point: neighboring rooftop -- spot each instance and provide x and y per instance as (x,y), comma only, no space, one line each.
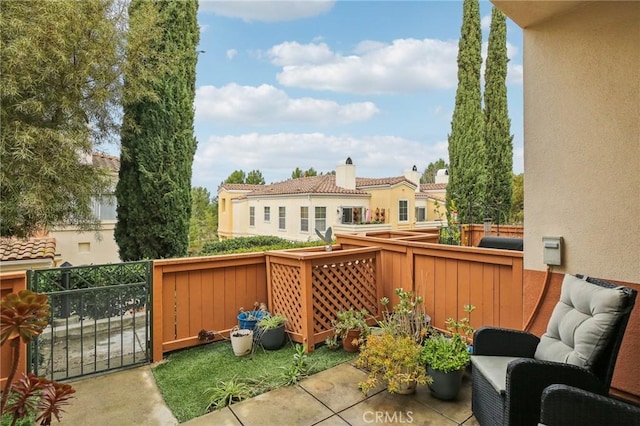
(110,162)
(34,248)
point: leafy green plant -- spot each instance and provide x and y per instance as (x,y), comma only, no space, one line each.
(394,359)
(23,317)
(272,321)
(299,368)
(444,353)
(227,392)
(331,342)
(251,244)
(407,318)
(351,319)
(449,353)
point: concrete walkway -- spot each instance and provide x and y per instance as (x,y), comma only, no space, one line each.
(328,398)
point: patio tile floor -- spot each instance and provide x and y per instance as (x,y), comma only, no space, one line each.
(332,398)
(328,398)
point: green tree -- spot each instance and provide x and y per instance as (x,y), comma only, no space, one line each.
(517,201)
(497,136)
(429,174)
(203,225)
(61,77)
(466,148)
(310,172)
(297,173)
(238,176)
(154,189)
(255,177)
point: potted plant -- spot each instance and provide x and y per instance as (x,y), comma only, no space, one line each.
(392,359)
(447,356)
(241,341)
(351,326)
(248,319)
(271,331)
(407,318)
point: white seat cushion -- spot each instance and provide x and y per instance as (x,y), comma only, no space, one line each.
(581,323)
(494,369)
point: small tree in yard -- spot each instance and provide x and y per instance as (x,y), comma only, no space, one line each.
(23,317)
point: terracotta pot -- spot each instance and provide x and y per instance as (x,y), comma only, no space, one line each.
(347,341)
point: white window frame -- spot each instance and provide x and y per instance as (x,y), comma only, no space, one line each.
(252,216)
(424,214)
(320,220)
(267,214)
(282,218)
(400,210)
(304,219)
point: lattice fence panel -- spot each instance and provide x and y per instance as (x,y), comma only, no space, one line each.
(287,294)
(340,286)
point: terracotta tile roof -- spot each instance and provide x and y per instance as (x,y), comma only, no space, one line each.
(239,186)
(433,186)
(106,161)
(323,184)
(35,248)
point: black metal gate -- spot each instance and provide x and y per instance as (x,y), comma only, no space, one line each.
(100,319)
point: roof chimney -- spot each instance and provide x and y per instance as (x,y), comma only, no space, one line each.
(413,175)
(442,176)
(346,175)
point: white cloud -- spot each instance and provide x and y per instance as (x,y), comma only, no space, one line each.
(405,65)
(267,104)
(485,23)
(267,10)
(277,155)
(231,53)
(203,27)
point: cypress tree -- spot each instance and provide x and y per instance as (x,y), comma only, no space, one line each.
(498,138)
(158,145)
(466,146)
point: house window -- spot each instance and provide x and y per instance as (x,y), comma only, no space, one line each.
(421,214)
(252,216)
(267,214)
(403,210)
(104,208)
(321,219)
(352,215)
(282,218)
(304,219)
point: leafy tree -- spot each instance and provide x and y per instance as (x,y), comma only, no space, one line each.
(466,148)
(238,176)
(297,173)
(517,202)
(497,136)
(204,219)
(61,77)
(429,174)
(154,189)
(254,177)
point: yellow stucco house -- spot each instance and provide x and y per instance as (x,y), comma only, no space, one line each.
(294,208)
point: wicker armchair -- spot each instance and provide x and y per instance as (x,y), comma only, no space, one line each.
(510,368)
(564,405)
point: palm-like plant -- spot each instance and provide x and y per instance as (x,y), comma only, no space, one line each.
(23,317)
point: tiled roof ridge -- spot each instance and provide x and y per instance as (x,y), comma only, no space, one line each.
(23,249)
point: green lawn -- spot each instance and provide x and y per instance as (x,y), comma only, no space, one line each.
(186,375)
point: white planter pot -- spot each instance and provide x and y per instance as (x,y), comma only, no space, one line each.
(241,342)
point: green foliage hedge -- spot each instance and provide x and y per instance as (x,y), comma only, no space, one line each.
(252,244)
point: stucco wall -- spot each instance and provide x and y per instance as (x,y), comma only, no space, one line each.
(582,139)
(86,248)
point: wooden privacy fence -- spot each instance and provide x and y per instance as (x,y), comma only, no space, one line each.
(449,277)
(471,235)
(311,287)
(198,293)
(12,282)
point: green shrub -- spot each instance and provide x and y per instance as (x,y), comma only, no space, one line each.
(252,244)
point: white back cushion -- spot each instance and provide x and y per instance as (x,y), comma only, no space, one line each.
(580,323)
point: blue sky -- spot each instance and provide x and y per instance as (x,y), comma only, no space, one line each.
(285,84)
